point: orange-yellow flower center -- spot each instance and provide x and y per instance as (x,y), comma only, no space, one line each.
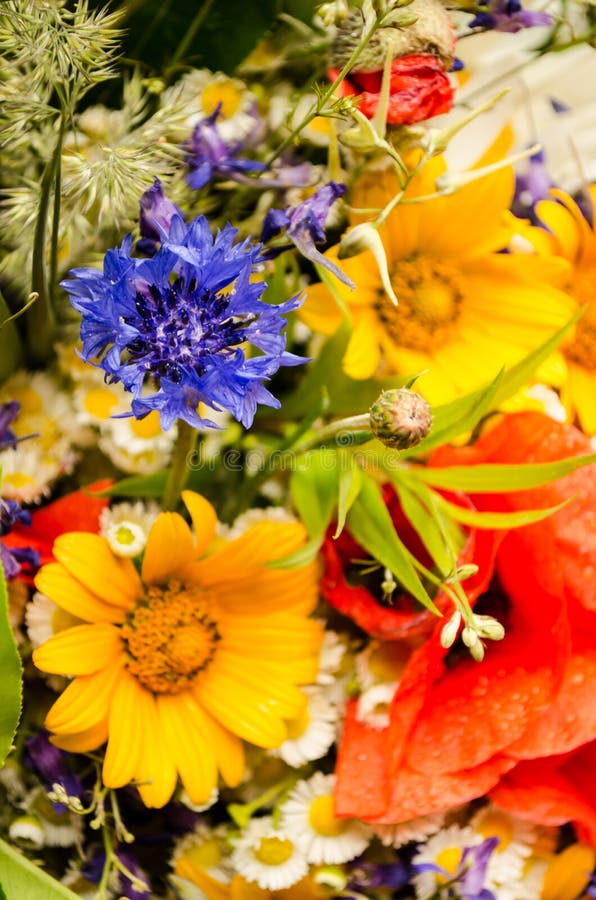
(429,303)
(582,350)
(170,638)
(273,851)
(448,859)
(322,818)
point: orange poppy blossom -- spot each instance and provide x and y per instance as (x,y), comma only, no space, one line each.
(571,236)
(459,729)
(175,667)
(465,309)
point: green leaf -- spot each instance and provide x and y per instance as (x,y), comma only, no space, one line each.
(20,879)
(10,678)
(350,482)
(137,486)
(314,487)
(371,525)
(427,526)
(495,479)
(459,416)
(498,519)
(299,558)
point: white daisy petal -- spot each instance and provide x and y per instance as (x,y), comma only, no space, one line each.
(268,856)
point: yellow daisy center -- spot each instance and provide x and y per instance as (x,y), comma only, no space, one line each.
(273,851)
(170,638)
(206,855)
(322,818)
(429,303)
(448,859)
(29,399)
(100,402)
(148,427)
(582,350)
(224,92)
(387,661)
(497,824)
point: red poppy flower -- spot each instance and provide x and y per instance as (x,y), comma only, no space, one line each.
(77,511)
(419,89)
(458,730)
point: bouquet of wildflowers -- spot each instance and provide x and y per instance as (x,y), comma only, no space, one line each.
(297,417)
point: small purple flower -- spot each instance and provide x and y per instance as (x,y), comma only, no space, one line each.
(366,876)
(531,187)
(509,16)
(8,413)
(16,558)
(470,876)
(181,320)
(305,226)
(209,156)
(135,888)
(50,763)
(156,217)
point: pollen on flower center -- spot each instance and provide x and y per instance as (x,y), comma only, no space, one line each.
(170,638)
(448,859)
(273,851)
(429,303)
(322,818)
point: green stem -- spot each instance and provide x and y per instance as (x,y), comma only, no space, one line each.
(11,348)
(41,321)
(319,107)
(184,446)
(191,32)
(354,429)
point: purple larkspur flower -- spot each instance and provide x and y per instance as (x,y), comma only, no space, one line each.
(181,320)
(156,216)
(509,16)
(8,413)
(531,187)
(469,879)
(50,763)
(363,876)
(304,225)
(137,888)
(15,558)
(210,156)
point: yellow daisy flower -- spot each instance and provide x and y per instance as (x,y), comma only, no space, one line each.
(574,238)
(464,309)
(178,665)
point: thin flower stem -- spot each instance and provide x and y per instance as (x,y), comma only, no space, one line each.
(56,217)
(191,32)
(186,442)
(343,432)
(319,106)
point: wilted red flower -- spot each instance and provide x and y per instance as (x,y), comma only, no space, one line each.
(459,729)
(419,89)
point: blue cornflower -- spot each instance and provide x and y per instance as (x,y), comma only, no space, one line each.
(210,156)
(509,16)
(180,320)
(305,226)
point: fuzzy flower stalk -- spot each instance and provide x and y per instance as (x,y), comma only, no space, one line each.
(180,328)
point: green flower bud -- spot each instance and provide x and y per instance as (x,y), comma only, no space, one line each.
(400,418)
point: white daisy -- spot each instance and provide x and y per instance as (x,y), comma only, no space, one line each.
(95,402)
(374,704)
(413,830)
(252,517)
(199,807)
(507,864)
(137,446)
(268,855)
(312,733)
(59,829)
(207,849)
(331,656)
(381,662)
(444,849)
(27,829)
(201,91)
(29,472)
(308,817)
(44,619)
(126,526)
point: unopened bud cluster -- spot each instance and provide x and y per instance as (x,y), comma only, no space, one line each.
(476,628)
(400,418)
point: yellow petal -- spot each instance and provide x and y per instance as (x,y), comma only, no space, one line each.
(204,520)
(81,650)
(66,592)
(581,388)
(563,224)
(229,753)
(273,684)
(83,741)
(85,702)
(569,873)
(210,887)
(273,637)
(188,744)
(88,558)
(126,734)
(320,311)
(156,773)
(169,548)
(294,590)
(362,356)
(240,710)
